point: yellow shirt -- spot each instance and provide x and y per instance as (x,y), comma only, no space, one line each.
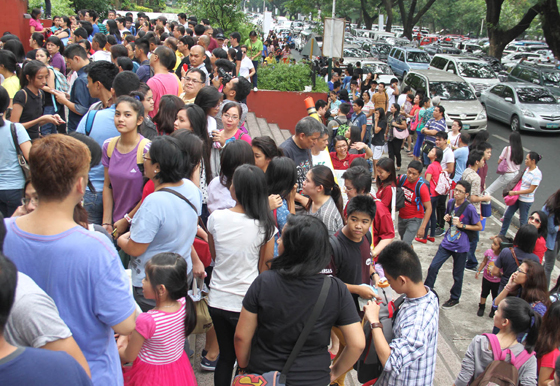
(11,85)
(270,60)
(179,57)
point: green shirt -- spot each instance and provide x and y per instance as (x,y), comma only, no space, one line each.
(253,49)
(102,28)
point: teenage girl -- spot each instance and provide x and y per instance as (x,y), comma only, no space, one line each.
(490,283)
(547,344)
(156,345)
(386,180)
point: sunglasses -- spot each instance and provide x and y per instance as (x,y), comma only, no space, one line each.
(535,219)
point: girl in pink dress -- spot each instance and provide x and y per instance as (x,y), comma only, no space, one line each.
(156,345)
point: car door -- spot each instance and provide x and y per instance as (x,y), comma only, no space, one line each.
(493,97)
(507,108)
(399,62)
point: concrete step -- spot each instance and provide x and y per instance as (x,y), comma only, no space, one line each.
(276,133)
(286,133)
(265,129)
(252,125)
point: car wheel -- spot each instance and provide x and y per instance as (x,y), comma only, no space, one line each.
(514,123)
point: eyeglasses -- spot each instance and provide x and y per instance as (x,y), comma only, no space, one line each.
(535,219)
(520,271)
(26,201)
(146,158)
(232,117)
(460,191)
(191,80)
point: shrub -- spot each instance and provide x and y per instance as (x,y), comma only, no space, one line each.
(58,7)
(288,77)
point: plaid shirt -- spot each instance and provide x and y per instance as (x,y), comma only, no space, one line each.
(414,347)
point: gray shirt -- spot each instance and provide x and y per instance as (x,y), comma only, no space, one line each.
(34,320)
(479,356)
(330,216)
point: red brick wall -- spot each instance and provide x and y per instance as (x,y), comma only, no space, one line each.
(11,19)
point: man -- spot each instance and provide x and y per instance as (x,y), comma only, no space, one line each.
(80,99)
(184,46)
(98,45)
(164,80)
(31,366)
(193,81)
(112,14)
(380,98)
(461,156)
(319,153)
(161,21)
(209,31)
(92,292)
(401,100)
(463,219)
(182,17)
(447,165)
(435,124)
(101,126)
(100,76)
(199,30)
(178,31)
(220,40)
(171,43)
(486,148)
(141,51)
(91,17)
(474,163)
(359,117)
(197,56)
(410,358)
(297,147)
(204,42)
(234,39)
(417,209)
(254,52)
(236,90)
(321,108)
(121,25)
(334,78)
(393,91)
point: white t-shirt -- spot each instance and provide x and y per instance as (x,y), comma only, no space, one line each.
(448,157)
(237,242)
(530,177)
(402,99)
(101,55)
(323,158)
(245,67)
(390,94)
(453,139)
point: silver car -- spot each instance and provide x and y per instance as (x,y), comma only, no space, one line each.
(523,106)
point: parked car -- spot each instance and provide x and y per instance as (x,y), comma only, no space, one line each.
(438,48)
(475,71)
(523,106)
(402,60)
(548,77)
(457,97)
(383,71)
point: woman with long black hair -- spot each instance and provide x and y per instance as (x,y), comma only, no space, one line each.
(552,209)
(512,155)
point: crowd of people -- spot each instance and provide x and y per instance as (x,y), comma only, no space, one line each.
(129,178)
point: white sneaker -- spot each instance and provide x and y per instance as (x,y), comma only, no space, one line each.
(255,89)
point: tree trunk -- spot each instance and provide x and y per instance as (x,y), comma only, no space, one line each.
(389,10)
(551,26)
(409,19)
(368,20)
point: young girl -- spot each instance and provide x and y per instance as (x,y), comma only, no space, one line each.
(325,197)
(166,115)
(514,316)
(386,180)
(453,139)
(10,70)
(547,344)
(144,94)
(156,345)
(490,283)
(122,189)
(241,243)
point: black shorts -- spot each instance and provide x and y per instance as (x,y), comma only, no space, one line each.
(487,287)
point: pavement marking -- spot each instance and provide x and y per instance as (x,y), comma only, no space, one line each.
(507,141)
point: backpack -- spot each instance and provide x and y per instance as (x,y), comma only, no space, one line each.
(417,188)
(458,212)
(340,130)
(444,184)
(139,153)
(500,372)
(89,124)
(60,81)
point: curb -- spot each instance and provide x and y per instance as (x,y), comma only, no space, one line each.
(500,207)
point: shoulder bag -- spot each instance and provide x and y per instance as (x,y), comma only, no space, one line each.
(21,159)
(502,166)
(278,378)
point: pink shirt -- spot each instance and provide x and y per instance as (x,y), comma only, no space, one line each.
(162,84)
(35,23)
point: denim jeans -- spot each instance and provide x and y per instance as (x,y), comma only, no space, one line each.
(9,201)
(523,207)
(93,203)
(225,323)
(367,138)
(471,258)
(459,260)
(432,223)
(256,65)
(549,261)
(48,128)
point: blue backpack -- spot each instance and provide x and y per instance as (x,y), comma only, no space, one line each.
(419,184)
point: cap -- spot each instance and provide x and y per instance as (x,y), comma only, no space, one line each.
(220,37)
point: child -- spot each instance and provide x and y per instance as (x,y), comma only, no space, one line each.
(156,345)
(489,281)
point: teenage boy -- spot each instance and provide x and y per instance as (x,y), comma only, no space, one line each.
(417,209)
(410,358)
(359,117)
(461,156)
(319,151)
(447,165)
(141,52)
(463,219)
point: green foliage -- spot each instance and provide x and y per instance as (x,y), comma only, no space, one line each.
(59,7)
(288,77)
(100,6)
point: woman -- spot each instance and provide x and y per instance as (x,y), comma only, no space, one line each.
(265,150)
(366,84)
(34,22)
(274,311)
(56,49)
(539,220)
(432,177)
(210,99)
(512,155)
(43,56)
(552,209)
(396,133)
(532,177)
(10,70)
(16,47)
(378,143)
(241,243)
(37,40)
(64,32)
(341,157)
(453,139)
(145,95)
(166,115)
(368,110)
(547,344)
(11,175)
(155,225)
(386,181)
(424,115)
(514,316)
(28,102)
(231,114)
(113,30)
(325,199)
(414,120)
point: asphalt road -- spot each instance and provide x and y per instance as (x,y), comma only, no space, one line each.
(546,144)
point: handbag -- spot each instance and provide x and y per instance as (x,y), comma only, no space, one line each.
(203,319)
(21,159)
(278,378)
(427,146)
(510,200)
(502,166)
(514,184)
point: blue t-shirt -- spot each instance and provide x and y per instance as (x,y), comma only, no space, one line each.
(102,129)
(82,272)
(281,219)
(168,224)
(37,367)
(95,28)
(11,175)
(461,156)
(460,242)
(80,96)
(359,119)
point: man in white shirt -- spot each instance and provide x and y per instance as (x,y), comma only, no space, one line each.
(98,43)
(393,91)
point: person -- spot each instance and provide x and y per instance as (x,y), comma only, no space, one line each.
(486,148)
(28,365)
(460,155)
(514,316)
(241,242)
(386,182)
(490,283)
(368,110)
(193,81)
(11,72)
(55,47)
(12,178)
(162,329)
(417,209)
(325,198)
(98,44)
(512,155)
(380,98)
(434,125)
(50,107)
(455,134)
(530,181)
(92,292)
(164,119)
(359,117)
(341,157)
(101,75)
(163,82)
(339,125)
(456,241)
(410,358)
(197,58)
(547,344)
(35,24)
(80,98)
(424,115)
(210,100)
(246,69)
(319,152)
(552,209)
(539,220)
(265,150)
(123,180)
(397,132)
(378,143)
(297,147)
(231,114)
(334,103)
(393,91)
(432,176)
(236,90)
(142,49)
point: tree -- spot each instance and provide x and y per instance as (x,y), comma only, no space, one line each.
(409,20)
(551,26)
(226,14)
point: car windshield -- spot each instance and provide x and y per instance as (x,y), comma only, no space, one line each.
(452,91)
(380,68)
(535,95)
(551,78)
(476,70)
(418,57)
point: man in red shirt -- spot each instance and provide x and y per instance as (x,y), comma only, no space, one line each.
(416,212)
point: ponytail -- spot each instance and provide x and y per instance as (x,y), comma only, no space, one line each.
(532,331)
(190,314)
(336,195)
(523,319)
(322,175)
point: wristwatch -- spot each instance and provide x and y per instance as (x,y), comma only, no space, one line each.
(464,226)
(376,325)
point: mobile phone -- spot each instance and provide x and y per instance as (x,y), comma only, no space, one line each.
(185,67)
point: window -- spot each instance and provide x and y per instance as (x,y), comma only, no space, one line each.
(497,90)
(515,72)
(400,56)
(422,84)
(418,57)
(452,91)
(535,95)
(451,66)
(508,93)
(529,76)
(412,80)
(438,62)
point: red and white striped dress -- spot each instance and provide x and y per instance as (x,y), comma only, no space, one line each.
(162,359)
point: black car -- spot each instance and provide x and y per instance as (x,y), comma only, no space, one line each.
(437,48)
(495,63)
(548,77)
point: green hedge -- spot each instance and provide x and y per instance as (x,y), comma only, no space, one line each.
(288,77)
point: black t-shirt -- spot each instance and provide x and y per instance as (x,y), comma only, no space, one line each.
(379,138)
(186,61)
(507,263)
(352,268)
(239,55)
(32,109)
(301,157)
(283,305)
